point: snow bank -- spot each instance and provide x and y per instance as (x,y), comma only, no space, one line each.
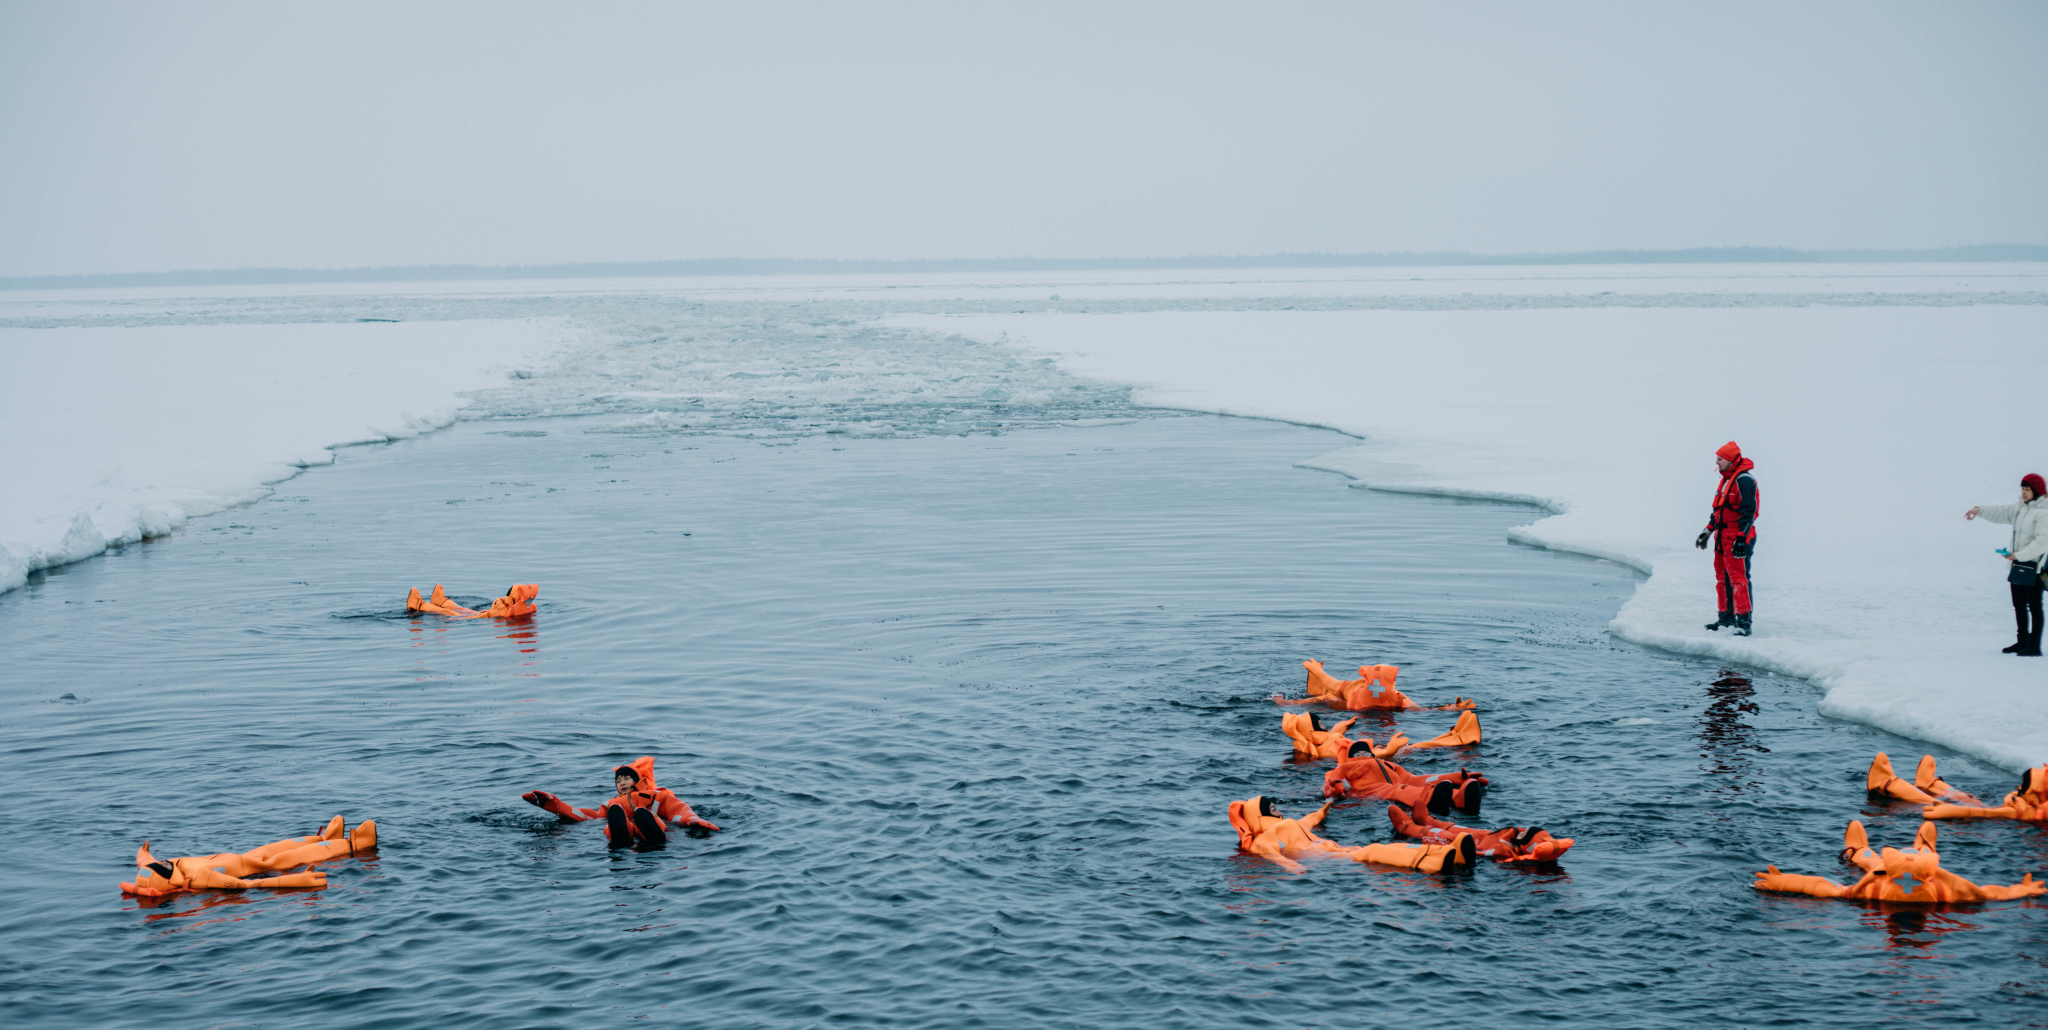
(1873,429)
(112,435)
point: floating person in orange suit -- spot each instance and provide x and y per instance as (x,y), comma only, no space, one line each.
(640,816)
(1374,688)
(516,602)
(156,877)
(1910,877)
(1262,831)
(2028,804)
(1311,739)
(1507,844)
(1365,775)
(1925,789)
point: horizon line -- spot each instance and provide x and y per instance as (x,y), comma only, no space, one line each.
(681,267)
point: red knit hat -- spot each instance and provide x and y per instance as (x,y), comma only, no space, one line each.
(1729,451)
(2032,481)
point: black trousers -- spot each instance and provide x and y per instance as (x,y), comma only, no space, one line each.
(2026,601)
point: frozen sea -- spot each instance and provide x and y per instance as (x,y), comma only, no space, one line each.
(931,592)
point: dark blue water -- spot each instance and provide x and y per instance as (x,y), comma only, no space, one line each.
(969,710)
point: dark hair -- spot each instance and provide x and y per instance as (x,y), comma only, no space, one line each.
(1316,721)
(1364,746)
(626,770)
(1266,806)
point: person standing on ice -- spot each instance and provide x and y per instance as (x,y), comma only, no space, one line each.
(2029,521)
(1733,528)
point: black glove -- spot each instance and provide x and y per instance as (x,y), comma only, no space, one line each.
(1741,548)
(1701,543)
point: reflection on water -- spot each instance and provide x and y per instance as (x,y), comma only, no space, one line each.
(969,710)
(1727,739)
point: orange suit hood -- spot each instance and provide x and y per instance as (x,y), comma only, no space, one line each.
(1247,820)
(644,765)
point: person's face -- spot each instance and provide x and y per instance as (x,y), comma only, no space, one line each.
(1722,463)
(2026,494)
(626,783)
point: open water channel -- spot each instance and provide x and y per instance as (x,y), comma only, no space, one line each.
(969,710)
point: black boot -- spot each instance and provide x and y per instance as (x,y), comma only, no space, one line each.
(2032,646)
(1742,625)
(2019,642)
(1727,619)
(2015,646)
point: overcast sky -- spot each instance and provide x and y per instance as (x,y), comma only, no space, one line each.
(140,137)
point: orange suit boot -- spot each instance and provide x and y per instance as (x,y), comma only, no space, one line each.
(1507,844)
(2028,804)
(1374,688)
(1462,733)
(1363,775)
(156,877)
(1915,878)
(1311,739)
(640,816)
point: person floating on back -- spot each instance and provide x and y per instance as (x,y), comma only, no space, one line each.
(640,816)
(518,601)
(1732,525)
(1374,688)
(155,877)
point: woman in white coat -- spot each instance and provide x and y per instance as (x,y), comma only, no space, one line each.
(2029,520)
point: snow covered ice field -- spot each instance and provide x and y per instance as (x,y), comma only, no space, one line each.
(1879,402)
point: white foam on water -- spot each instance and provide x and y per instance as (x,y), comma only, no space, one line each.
(1635,722)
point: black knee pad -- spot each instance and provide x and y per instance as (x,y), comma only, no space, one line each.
(649,828)
(1440,798)
(1474,793)
(616,828)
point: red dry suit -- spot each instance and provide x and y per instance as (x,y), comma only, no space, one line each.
(1365,776)
(1507,844)
(1733,524)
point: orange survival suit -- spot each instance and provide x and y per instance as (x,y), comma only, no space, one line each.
(516,602)
(1507,844)
(1262,831)
(1310,738)
(1374,688)
(2027,804)
(1911,877)
(1370,776)
(1925,789)
(640,816)
(155,877)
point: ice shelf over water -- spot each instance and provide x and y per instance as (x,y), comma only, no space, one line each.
(1879,401)
(113,435)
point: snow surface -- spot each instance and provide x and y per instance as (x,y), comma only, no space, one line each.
(1873,428)
(113,435)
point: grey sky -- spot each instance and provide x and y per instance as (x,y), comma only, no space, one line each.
(167,136)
